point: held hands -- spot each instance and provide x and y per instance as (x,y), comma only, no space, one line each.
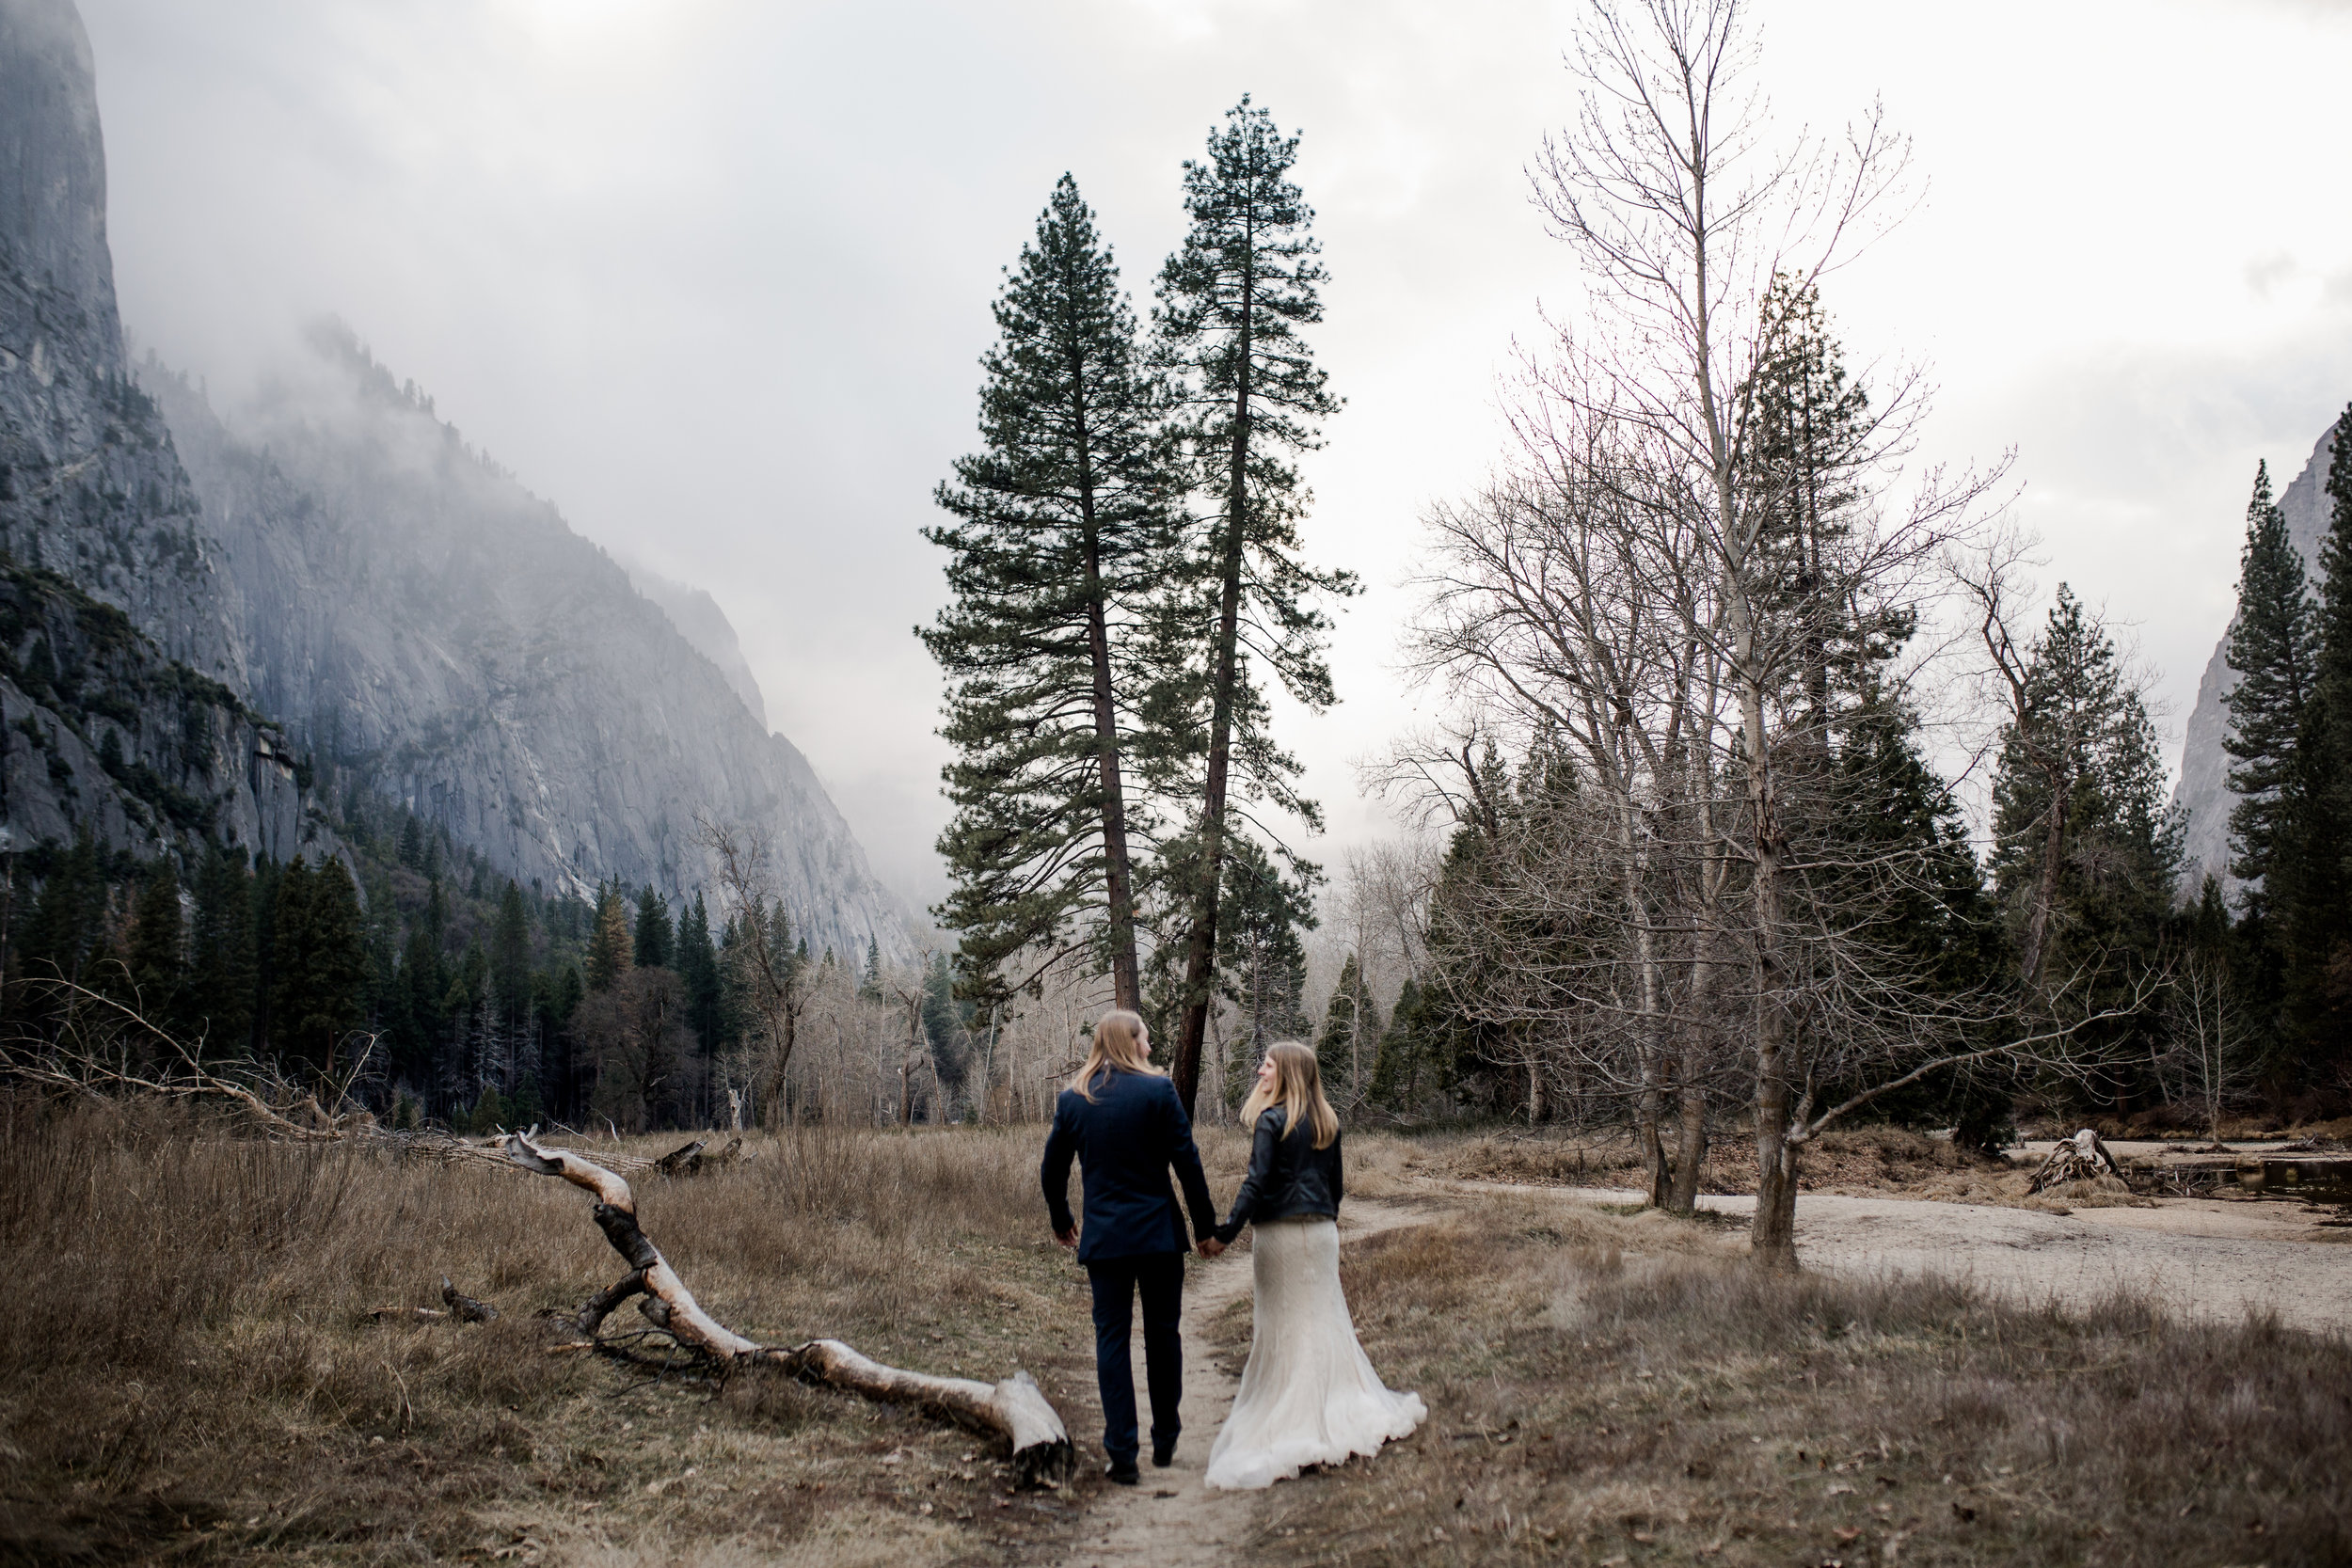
(1212,1247)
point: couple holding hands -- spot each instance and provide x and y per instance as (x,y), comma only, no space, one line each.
(1309,1395)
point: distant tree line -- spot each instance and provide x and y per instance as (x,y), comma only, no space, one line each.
(447,993)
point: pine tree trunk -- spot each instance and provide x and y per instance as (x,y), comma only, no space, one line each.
(1200,945)
(1118,878)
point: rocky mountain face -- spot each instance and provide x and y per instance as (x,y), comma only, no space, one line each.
(120,672)
(705,627)
(2203,790)
(336,559)
(439,637)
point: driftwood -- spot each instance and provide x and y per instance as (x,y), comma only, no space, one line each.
(2080,1158)
(1015,1409)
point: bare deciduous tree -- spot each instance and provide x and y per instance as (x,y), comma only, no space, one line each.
(1683,611)
(768,970)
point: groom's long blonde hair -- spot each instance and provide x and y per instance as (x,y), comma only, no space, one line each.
(1297,1089)
(1121,1041)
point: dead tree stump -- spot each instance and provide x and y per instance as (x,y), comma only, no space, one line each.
(2080,1158)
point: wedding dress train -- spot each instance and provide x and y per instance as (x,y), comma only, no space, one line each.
(1309,1395)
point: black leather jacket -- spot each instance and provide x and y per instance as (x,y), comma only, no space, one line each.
(1288,1176)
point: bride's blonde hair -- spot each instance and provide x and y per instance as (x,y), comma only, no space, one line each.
(1121,1041)
(1298,1084)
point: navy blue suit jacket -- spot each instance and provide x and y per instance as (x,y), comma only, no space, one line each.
(1124,1141)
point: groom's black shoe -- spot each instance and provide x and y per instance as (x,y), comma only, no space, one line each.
(1123,1472)
(1164,1454)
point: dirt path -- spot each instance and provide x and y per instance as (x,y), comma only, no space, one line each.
(2200,1258)
(1173,1520)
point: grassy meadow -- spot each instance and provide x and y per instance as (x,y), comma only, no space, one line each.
(191,1372)
(1622,1388)
(192,1375)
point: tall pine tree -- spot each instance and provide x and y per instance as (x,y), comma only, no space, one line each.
(698,971)
(69,918)
(2323,1013)
(655,939)
(2271,646)
(510,956)
(1232,302)
(2086,853)
(612,950)
(1347,1049)
(221,963)
(155,954)
(319,963)
(1062,526)
(1263,956)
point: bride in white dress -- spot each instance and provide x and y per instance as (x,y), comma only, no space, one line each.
(1309,1395)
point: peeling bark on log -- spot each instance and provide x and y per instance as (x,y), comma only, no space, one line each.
(1015,1409)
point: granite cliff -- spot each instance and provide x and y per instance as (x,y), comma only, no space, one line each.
(439,637)
(120,671)
(705,627)
(202,610)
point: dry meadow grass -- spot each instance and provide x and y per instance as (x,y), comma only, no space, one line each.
(190,1373)
(1622,1389)
(191,1376)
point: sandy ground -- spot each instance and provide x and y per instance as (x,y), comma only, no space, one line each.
(2201,1258)
(1173,1520)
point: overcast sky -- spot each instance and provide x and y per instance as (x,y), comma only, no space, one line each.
(714,277)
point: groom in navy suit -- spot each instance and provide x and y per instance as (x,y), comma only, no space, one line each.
(1122,1121)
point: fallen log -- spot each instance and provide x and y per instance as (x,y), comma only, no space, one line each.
(1015,1409)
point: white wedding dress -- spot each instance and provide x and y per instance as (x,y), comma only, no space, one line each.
(1309,1395)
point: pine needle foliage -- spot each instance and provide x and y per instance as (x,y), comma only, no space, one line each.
(2085,765)
(1233,302)
(2272,646)
(1062,527)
